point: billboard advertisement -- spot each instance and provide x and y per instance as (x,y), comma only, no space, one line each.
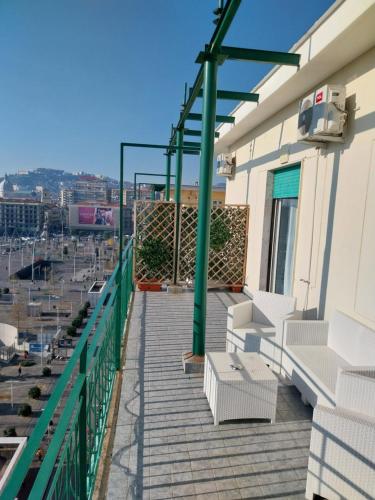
(97,216)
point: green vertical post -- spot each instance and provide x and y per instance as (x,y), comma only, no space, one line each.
(82,422)
(119,269)
(204,204)
(152,192)
(177,196)
(179,158)
(168,177)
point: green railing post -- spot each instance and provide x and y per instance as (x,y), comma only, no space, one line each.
(177,195)
(153,192)
(204,204)
(82,423)
(119,269)
(168,176)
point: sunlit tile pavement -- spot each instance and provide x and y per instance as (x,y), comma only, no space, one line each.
(166,445)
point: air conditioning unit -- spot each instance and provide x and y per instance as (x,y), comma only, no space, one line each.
(226,165)
(322,115)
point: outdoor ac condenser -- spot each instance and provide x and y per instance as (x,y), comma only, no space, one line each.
(226,165)
(322,115)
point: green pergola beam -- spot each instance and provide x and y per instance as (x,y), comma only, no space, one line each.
(193,153)
(156,146)
(219,118)
(222,27)
(234,95)
(136,174)
(256,55)
(190,143)
(153,175)
(196,133)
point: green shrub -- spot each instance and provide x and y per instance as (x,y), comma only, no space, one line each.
(86,305)
(35,392)
(83,313)
(219,234)
(25,410)
(47,371)
(6,290)
(77,322)
(155,253)
(10,432)
(27,362)
(72,331)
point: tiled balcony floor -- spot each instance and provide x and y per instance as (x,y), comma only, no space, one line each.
(166,445)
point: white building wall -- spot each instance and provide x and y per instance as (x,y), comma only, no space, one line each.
(335,240)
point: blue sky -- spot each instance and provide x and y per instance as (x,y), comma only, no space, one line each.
(79,76)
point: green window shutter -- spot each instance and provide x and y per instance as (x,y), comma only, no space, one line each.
(286,182)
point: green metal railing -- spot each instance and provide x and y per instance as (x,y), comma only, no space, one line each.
(83,396)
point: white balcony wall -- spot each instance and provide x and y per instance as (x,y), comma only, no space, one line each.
(335,239)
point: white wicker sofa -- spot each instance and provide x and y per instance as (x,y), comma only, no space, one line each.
(342,448)
(258,326)
(315,352)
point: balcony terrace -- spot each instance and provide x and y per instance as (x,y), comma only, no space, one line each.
(166,445)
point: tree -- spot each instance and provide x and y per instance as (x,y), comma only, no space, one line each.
(24,410)
(10,432)
(77,322)
(72,331)
(35,392)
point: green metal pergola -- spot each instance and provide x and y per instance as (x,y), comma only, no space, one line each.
(205,86)
(167,185)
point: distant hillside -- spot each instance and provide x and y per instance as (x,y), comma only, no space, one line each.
(51,179)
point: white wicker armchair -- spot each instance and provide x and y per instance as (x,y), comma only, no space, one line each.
(342,449)
(257,326)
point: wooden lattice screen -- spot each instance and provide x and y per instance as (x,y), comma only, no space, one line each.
(226,266)
(158,220)
(155,220)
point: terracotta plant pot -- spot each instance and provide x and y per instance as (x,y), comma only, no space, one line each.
(236,288)
(149,286)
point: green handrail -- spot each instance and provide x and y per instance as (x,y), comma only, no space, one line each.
(70,464)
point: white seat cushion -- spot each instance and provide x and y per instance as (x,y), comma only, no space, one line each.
(253,328)
(320,362)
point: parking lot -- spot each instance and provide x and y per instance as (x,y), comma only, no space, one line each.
(60,293)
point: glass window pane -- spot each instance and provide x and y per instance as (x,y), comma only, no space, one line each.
(283,246)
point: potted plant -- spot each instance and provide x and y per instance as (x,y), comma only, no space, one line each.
(219,236)
(154,254)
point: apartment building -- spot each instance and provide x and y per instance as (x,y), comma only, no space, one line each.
(21,216)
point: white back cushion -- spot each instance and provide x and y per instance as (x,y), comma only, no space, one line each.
(351,340)
(271,307)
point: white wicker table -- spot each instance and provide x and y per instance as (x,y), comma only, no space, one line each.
(248,392)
